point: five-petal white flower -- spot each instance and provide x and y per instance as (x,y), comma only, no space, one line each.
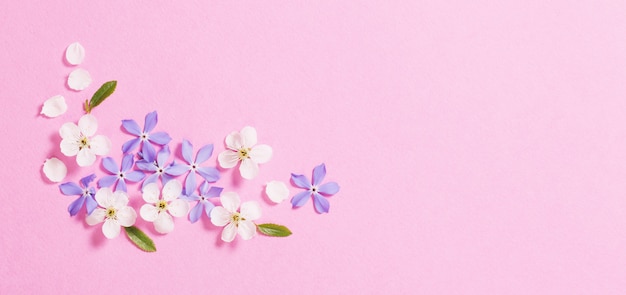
(114,211)
(236,222)
(159,210)
(78,141)
(241,148)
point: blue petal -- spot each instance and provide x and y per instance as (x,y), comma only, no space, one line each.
(165,178)
(214,192)
(300,199)
(131,127)
(107,181)
(210,174)
(91,204)
(150,122)
(147,151)
(163,155)
(187,151)
(176,169)
(85,181)
(146,166)
(150,179)
(328,189)
(127,162)
(134,176)
(121,186)
(75,206)
(204,188)
(190,198)
(160,138)
(321,204)
(131,145)
(190,183)
(70,189)
(204,153)
(109,165)
(300,181)
(208,207)
(318,174)
(195,213)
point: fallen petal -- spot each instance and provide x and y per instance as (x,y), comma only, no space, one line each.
(54,106)
(75,53)
(54,169)
(79,79)
(277,191)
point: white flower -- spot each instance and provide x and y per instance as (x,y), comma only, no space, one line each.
(115,212)
(159,210)
(78,141)
(236,222)
(241,148)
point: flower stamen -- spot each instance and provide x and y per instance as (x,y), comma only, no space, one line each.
(161,205)
(111,213)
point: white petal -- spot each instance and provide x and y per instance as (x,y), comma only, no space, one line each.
(261,153)
(75,53)
(104,197)
(119,199)
(172,190)
(246,229)
(220,216)
(251,210)
(229,232)
(233,141)
(100,145)
(88,125)
(79,79)
(230,201)
(151,193)
(248,136)
(96,216)
(126,216)
(178,208)
(70,131)
(228,159)
(54,106)
(111,228)
(277,191)
(54,169)
(149,212)
(69,147)
(164,223)
(85,157)
(249,169)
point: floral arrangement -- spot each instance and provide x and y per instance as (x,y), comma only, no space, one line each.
(169,189)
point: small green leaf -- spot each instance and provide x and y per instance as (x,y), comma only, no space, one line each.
(105,91)
(140,239)
(273,230)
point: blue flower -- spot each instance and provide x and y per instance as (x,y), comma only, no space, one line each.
(203,201)
(158,167)
(86,194)
(210,174)
(144,137)
(314,189)
(120,175)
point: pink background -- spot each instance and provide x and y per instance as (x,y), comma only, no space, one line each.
(480,146)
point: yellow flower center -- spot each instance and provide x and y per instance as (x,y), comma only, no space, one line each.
(111,213)
(235,218)
(161,205)
(243,153)
(83,143)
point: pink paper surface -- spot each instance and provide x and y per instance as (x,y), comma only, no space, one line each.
(480,145)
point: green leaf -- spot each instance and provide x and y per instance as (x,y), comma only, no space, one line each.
(140,239)
(105,91)
(273,230)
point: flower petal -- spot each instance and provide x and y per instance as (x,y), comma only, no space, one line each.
(151,193)
(328,189)
(107,181)
(230,201)
(160,138)
(131,127)
(208,208)
(321,204)
(54,169)
(196,212)
(130,145)
(229,232)
(213,192)
(127,162)
(187,151)
(251,210)
(248,136)
(85,181)
(69,131)
(119,199)
(146,166)
(209,174)
(88,125)
(150,121)
(126,216)
(96,216)
(172,190)
(276,191)
(164,223)
(233,141)
(110,165)
(246,229)
(75,53)
(163,155)
(228,159)
(71,189)
(190,184)
(300,181)
(134,176)
(204,153)
(220,216)
(54,106)
(91,204)
(69,147)
(85,157)
(148,152)
(111,228)
(318,174)
(261,153)
(249,169)
(149,212)
(121,185)
(300,199)
(178,208)
(176,169)
(75,206)
(78,79)
(150,179)
(104,197)
(100,145)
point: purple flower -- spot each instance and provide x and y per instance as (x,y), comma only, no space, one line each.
(159,168)
(210,174)
(144,137)
(86,194)
(314,189)
(120,175)
(203,201)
